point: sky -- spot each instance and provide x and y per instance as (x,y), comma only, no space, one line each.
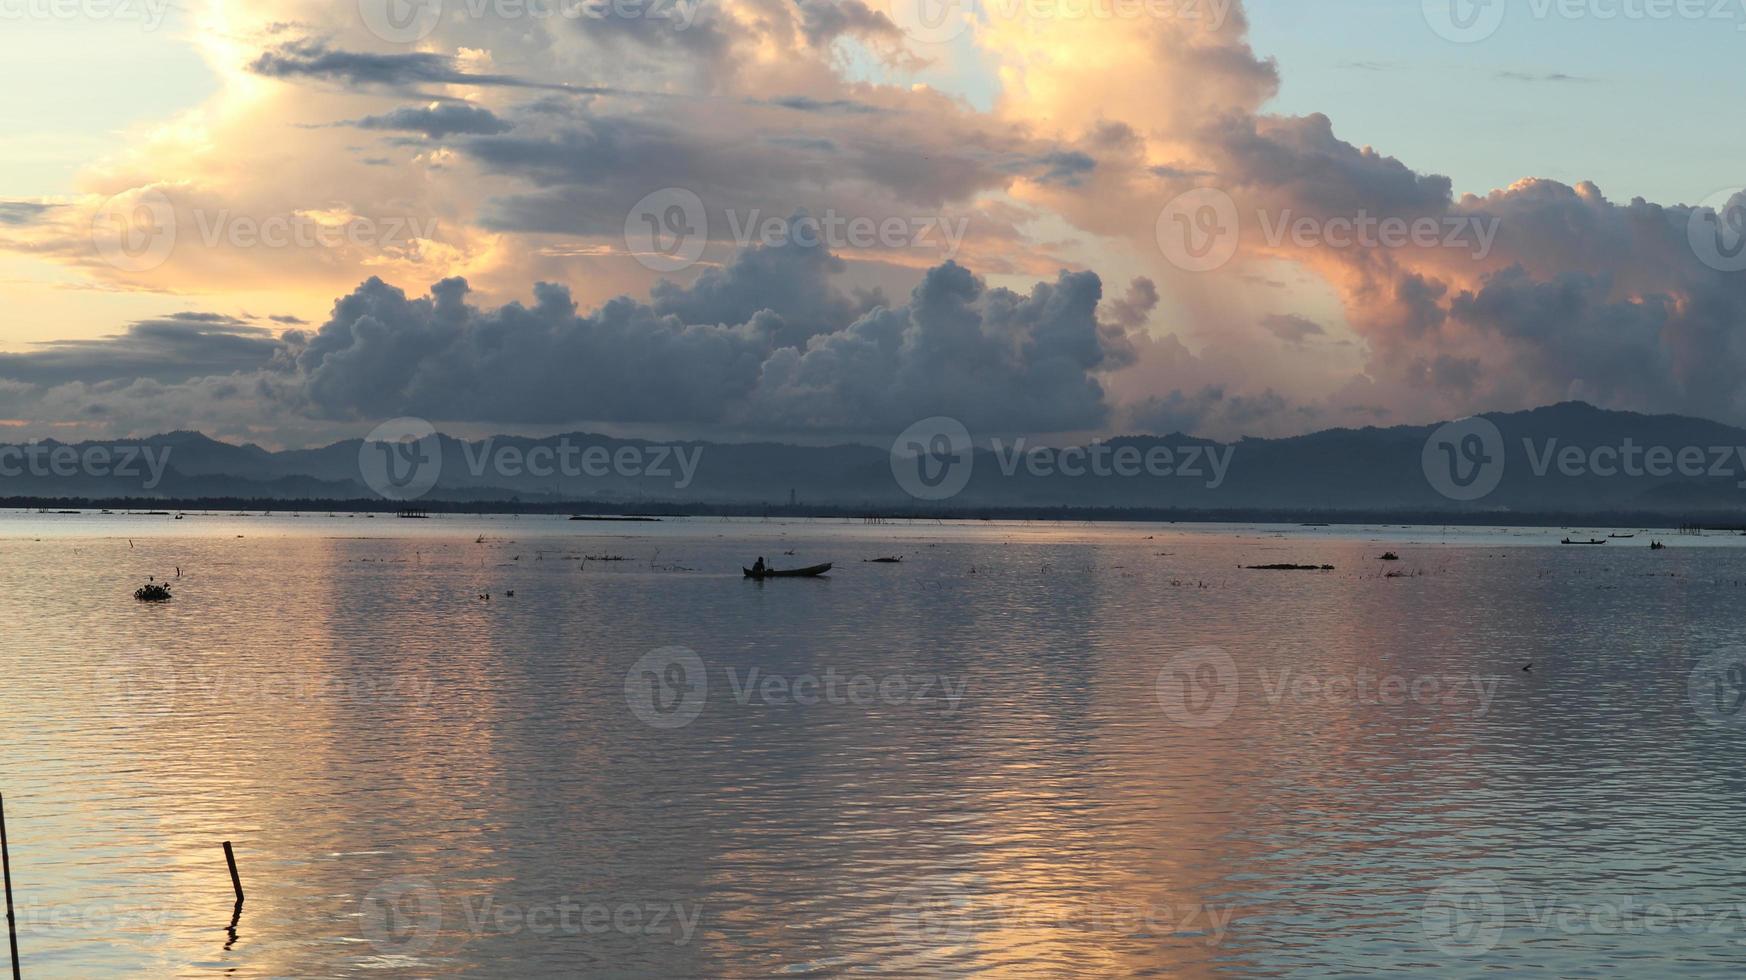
(285,222)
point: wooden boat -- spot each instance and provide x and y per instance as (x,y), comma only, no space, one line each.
(812,572)
(1621,535)
(1594,541)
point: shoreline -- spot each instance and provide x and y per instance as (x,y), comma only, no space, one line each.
(607,512)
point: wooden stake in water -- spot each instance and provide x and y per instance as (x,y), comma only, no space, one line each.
(235,882)
(6,873)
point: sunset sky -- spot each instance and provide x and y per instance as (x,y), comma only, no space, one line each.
(285,222)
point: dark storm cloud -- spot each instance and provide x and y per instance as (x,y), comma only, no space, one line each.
(785,288)
(440,120)
(314,59)
(801,103)
(992,358)
(804,359)
(1322,172)
(169,350)
(1571,324)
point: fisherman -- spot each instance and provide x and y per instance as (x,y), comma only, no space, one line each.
(758,567)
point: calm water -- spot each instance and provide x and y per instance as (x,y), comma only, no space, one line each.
(1024,751)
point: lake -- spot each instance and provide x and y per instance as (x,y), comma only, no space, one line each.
(1026,750)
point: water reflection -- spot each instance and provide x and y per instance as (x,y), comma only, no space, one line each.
(921,768)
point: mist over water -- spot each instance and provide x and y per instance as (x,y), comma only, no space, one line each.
(1026,750)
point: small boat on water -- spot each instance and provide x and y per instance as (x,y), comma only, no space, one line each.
(1657,546)
(812,572)
(896,560)
(1621,535)
(1591,541)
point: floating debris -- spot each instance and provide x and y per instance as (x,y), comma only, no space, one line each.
(882,561)
(1389,556)
(153,592)
(1289,568)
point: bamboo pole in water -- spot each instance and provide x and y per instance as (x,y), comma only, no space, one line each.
(235,882)
(6,873)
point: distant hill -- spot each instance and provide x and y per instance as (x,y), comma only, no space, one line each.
(1549,463)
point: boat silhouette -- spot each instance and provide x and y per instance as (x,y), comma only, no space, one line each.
(812,572)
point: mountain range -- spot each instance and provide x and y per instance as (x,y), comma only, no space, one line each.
(1549,463)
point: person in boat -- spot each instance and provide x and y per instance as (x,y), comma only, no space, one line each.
(758,567)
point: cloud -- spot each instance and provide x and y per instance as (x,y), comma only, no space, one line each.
(1523,76)
(1291,328)
(822,21)
(1210,410)
(22,212)
(438,120)
(706,356)
(169,350)
(310,58)
(1059,151)
(801,103)
(1131,311)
